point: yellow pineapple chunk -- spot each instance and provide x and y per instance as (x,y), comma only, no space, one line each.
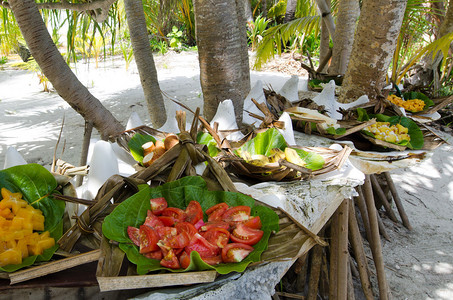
(10,257)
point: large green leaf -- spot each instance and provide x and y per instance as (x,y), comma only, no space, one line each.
(132,212)
(418,95)
(36,184)
(204,138)
(264,142)
(313,161)
(135,145)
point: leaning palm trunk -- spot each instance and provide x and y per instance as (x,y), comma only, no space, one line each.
(348,12)
(373,48)
(291,6)
(222,54)
(58,72)
(145,61)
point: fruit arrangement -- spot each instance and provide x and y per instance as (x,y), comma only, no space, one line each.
(390,133)
(412,105)
(170,234)
(19,223)
(275,154)
(154,150)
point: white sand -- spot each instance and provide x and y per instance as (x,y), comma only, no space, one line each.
(419,263)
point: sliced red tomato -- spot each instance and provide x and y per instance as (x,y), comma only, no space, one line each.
(202,246)
(170,260)
(215,224)
(215,212)
(178,214)
(246,235)
(134,235)
(194,213)
(235,252)
(158,205)
(186,227)
(213,260)
(184,260)
(217,236)
(167,220)
(236,213)
(154,254)
(148,239)
(152,220)
(253,222)
(199,224)
(165,233)
(178,241)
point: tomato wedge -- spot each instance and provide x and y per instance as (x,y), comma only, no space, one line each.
(167,220)
(215,224)
(213,260)
(154,254)
(186,227)
(134,235)
(184,260)
(246,235)
(194,213)
(236,213)
(170,260)
(152,220)
(235,252)
(178,214)
(215,212)
(165,233)
(158,205)
(148,239)
(253,222)
(217,236)
(202,246)
(178,241)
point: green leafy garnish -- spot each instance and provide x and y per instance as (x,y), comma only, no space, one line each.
(135,145)
(204,138)
(36,184)
(264,142)
(132,212)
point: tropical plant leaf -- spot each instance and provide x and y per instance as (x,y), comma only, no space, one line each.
(135,145)
(132,212)
(204,138)
(264,142)
(313,160)
(36,184)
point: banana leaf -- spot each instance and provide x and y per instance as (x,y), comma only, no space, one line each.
(417,140)
(135,145)
(204,138)
(132,212)
(36,184)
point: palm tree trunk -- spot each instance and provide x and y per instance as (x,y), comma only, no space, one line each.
(326,15)
(373,48)
(248,11)
(291,6)
(348,12)
(58,72)
(222,55)
(145,61)
(324,44)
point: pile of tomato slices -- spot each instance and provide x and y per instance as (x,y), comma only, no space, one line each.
(170,234)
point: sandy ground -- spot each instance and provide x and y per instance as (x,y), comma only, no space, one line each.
(419,263)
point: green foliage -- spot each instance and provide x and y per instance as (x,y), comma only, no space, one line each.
(255,30)
(176,38)
(132,212)
(159,46)
(277,11)
(3,60)
(128,53)
(135,145)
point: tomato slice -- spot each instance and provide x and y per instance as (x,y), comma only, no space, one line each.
(235,252)
(178,214)
(167,220)
(134,235)
(199,224)
(246,235)
(202,246)
(236,213)
(194,212)
(215,224)
(152,220)
(154,254)
(170,260)
(186,227)
(184,260)
(158,205)
(217,236)
(213,260)
(253,222)
(215,212)
(165,233)
(148,239)
(178,241)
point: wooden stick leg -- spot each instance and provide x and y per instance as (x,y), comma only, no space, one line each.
(333,257)
(376,247)
(351,295)
(380,193)
(398,202)
(357,247)
(382,230)
(360,200)
(315,271)
(343,253)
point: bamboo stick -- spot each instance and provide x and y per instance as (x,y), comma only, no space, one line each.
(360,200)
(383,199)
(357,247)
(333,279)
(376,248)
(315,272)
(85,147)
(397,200)
(343,253)
(350,295)
(382,230)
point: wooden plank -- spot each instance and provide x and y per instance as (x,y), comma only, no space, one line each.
(157,280)
(55,266)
